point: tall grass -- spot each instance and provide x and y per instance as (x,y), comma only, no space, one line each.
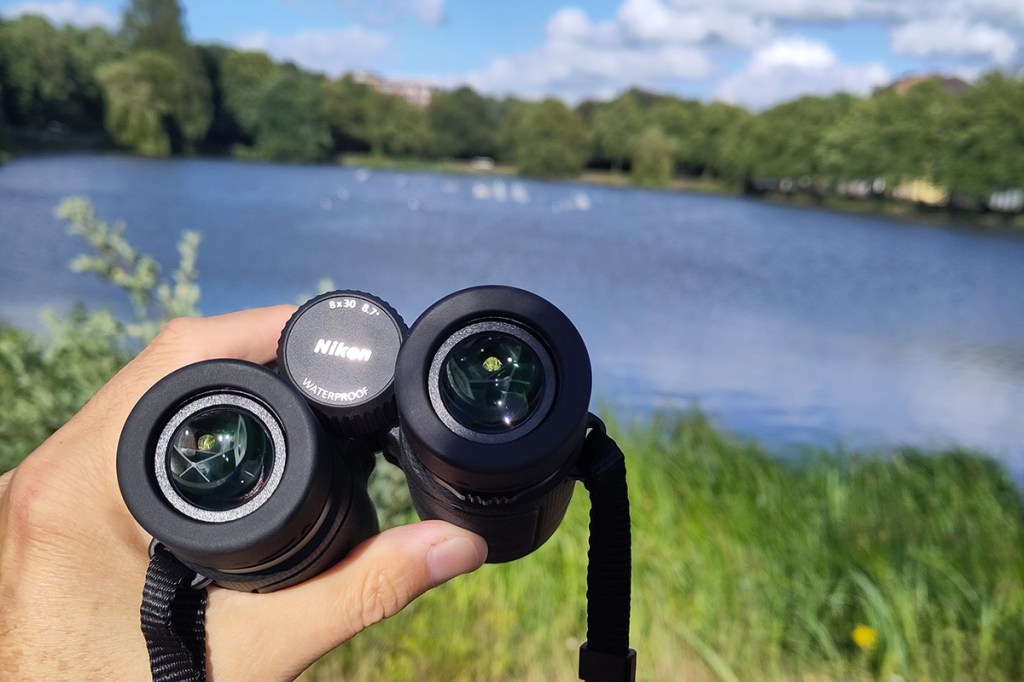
(747,567)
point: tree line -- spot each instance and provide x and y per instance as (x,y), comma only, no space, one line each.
(147,89)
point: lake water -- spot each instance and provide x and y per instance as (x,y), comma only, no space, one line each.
(792,326)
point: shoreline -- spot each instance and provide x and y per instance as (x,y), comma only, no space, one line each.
(905,212)
(879,208)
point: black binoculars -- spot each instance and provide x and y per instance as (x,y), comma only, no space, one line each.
(257,480)
(254,479)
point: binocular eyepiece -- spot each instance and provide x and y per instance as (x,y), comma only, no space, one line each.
(257,479)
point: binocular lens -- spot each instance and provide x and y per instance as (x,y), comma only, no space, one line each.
(492,382)
(218,458)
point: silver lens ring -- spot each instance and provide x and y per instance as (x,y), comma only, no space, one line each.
(515,331)
(202,404)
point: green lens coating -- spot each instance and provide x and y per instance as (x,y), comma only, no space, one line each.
(217,459)
(492,382)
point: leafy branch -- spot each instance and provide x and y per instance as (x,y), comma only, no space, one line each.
(154,301)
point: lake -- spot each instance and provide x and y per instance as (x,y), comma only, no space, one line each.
(793,326)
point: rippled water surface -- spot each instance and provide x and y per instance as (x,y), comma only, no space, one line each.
(792,326)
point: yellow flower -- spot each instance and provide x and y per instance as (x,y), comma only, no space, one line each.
(865,637)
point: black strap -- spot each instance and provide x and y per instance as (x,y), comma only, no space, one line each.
(606,656)
(173,620)
(174,606)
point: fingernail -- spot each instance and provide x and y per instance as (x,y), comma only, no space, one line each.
(454,556)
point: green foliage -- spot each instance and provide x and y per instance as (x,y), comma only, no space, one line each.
(717,122)
(361,117)
(615,125)
(153,105)
(347,112)
(154,25)
(984,138)
(892,135)
(243,79)
(144,96)
(784,141)
(680,120)
(393,126)
(746,567)
(88,49)
(547,139)
(42,384)
(462,124)
(652,153)
(155,301)
(288,120)
(35,71)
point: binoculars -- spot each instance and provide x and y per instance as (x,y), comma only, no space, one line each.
(256,478)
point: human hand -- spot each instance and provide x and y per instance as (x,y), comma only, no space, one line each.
(73,560)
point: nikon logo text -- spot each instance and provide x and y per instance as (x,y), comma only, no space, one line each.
(327,347)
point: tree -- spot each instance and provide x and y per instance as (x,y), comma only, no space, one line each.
(244,77)
(680,120)
(784,141)
(289,122)
(615,124)
(224,130)
(505,112)
(34,71)
(88,49)
(716,122)
(154,25)
(652,152)
(393,126)
(985,138)
(462,124)
(144,98)
(547,137)
(892,135)
(363,118)
(347,110)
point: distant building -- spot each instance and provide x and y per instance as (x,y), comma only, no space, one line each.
(950,84)
(416,93)
(922,192)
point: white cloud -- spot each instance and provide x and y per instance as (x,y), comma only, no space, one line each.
(660,44)
(65,12)
(796,52)
(955,37)
(655,21)
(958,28)
(847,10)
(792,67)
(581,59)
(330,51)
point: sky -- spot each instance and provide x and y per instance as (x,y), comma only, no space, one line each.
(755,53)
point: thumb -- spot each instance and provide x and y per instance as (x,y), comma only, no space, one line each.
(286,631)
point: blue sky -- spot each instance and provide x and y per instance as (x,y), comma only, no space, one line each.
(751,52)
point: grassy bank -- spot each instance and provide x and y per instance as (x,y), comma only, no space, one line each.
(746,567)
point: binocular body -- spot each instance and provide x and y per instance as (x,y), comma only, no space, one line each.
(257,479)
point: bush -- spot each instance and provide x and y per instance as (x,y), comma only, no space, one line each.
(43,382)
